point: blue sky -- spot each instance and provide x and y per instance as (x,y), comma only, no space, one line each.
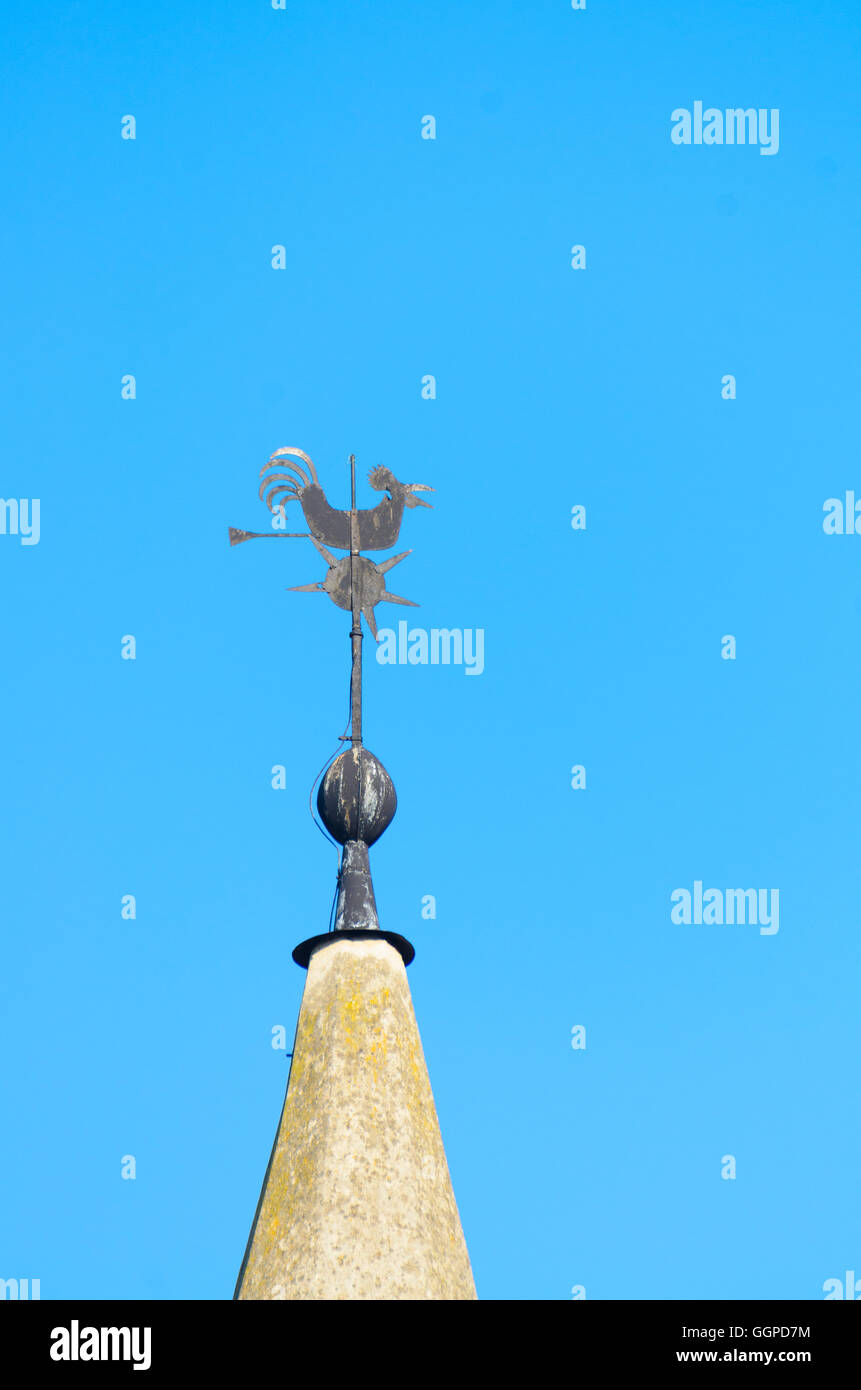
(599,387)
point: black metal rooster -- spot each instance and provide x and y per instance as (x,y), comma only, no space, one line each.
(378,526)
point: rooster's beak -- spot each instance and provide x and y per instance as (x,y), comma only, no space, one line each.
(419,487)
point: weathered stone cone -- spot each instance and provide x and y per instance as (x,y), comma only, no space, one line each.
(357,1202)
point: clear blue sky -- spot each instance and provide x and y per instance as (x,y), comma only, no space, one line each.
(602,387)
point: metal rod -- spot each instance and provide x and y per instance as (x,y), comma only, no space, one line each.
(356,629)
(237,537)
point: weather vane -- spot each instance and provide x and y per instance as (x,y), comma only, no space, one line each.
(353,582)
(356,799)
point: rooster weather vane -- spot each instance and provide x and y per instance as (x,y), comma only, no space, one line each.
(376,528)
(356,799)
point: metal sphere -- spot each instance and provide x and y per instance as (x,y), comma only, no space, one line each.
(357,798)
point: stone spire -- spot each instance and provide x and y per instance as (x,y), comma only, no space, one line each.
(357,1201)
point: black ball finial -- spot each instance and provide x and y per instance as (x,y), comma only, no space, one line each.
(357,798)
